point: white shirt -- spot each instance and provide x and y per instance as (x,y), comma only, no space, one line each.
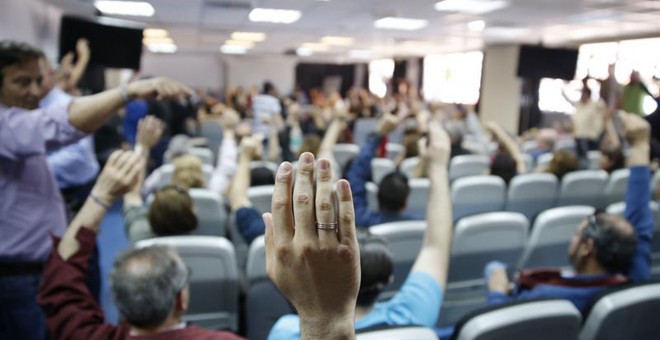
(588,119)
(264,106)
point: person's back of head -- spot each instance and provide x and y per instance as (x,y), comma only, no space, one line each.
(393,192)
(546,139)
(188,172)
(563,162)
(608,240)
(268,88)
(146,284)
(179,145)
(376,266)
(261,176)
(612,159)
(172,212)
(504,166)
(311,143)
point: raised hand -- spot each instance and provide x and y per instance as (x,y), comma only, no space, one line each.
(158,88)
(82,48)
(312,257)
(387,124)
(118,176)
(150,129)
(438,148)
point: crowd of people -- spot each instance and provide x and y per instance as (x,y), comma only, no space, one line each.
(319,252)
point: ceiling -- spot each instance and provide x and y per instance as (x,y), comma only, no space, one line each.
(203,25)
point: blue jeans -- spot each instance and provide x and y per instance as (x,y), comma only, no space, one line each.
(21,318)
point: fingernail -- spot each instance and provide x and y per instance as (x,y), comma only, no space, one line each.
(285,168)
(307,158)
(343,185)
(324,164)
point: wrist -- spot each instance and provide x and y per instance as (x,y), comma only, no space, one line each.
(102,197)
(328,327)
(639,155)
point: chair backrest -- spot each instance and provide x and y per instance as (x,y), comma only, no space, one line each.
(362,128)
(551,235)
(381,167)
(205,154)
(397,332)
(394,150)
(619,209)
(261,197)
(404,239)
(629,312)
(372,196)
(256,263)
(211,130)
(594,159)
(538,320)
(211,212)
(419,196)
(529,146)
(479,239)
(617,184)
(476,195)
(529,161)
(584,187)
(468,165)
(344,153)
(264,305)
(532,193)
(214,278)
(167,170)
(544,160)
(408,166)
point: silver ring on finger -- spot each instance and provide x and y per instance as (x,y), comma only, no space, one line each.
(326,226)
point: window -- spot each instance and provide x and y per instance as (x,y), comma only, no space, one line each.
(453,78)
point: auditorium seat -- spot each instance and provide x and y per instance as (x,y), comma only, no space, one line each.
(211,212)
(261,197)
(544,160)
(419,196)
(530,194)
(477,194)
(468,165)
(529,147)
(396,332)
(167,170)
(594,159)
(213,281)
(530,319)
(404,239)
(264,302)
(529,162)
(408,166)
(363,128)
(394,150)
(381,167)
(617,184)
(344,153)
(625,313)
(211,130)
(372,196)
(551,235)
(584,187)
(204,154)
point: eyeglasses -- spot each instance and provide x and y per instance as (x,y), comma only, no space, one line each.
(593,225)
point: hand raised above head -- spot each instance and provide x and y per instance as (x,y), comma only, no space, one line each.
(150,129)
(158,88)
(312,256)
(118,176)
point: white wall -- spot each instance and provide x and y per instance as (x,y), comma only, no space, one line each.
(500,87)
(197,70)
(254,70)
(31,21)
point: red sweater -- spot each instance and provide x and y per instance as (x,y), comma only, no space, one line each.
(72,312)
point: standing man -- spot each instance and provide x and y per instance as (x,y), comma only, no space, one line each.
(633,95)
(264,108)
(31,207)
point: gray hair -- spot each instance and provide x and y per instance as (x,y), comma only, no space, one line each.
(145,283)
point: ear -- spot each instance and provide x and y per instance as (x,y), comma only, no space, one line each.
(182,300)
(587,248)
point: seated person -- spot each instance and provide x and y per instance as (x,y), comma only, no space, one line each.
(150,286)
(419,299)
(393,189)
(188,172)
(545,141)
(563,162)
(508,160)
(606,250)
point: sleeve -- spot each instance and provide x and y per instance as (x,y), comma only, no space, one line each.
(27,133)
(638,213)
(249,223)
(137,224)
(151,182)
(74,164)
(286,328)
(70,309)
(358,175)
(225,168)
(417,302)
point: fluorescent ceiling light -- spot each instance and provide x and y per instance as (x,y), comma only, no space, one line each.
(158,40)
(361,54)
(470,6)
(304,52)
(476,26)
(338,41)
(233,49)
(246,44)
(316,47)
(249,36)
(276,16)
(162,48)
(155,33)
(134,8)
(405,24)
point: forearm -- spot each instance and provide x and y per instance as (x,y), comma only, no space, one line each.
(274,150)
(77,72)
(326,150)
(90,217)
(639,155)
(226,166)
(339,327)
(91,112)
(241,183)
(439,213)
